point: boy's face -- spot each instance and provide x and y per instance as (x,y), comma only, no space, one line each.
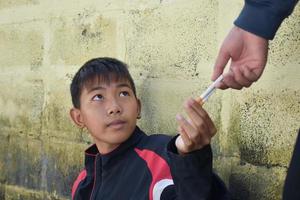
(109,112)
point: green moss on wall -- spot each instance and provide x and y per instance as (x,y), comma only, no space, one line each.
(19,193)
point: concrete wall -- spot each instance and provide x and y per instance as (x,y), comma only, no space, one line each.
(170,46)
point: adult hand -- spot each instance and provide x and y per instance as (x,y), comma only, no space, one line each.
(197,131)
(248,54)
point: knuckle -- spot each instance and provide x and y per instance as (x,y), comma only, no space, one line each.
(189,144)
(193,138)
(248,85)
(198,125)
(196,139)
(206,142)
(214,131)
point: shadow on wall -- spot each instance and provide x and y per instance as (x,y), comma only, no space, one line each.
(27,163)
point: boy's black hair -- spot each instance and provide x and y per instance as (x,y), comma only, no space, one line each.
(102,70)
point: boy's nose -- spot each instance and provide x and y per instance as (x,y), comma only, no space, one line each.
(114,108)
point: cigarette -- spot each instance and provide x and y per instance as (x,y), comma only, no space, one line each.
(204,96)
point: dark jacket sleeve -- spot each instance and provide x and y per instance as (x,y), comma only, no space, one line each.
(292,181)
(193,176)
(263,17)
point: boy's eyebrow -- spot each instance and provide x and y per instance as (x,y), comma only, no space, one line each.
(123,85)
(95,88)
(102,88)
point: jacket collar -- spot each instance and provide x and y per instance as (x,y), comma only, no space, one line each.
(92,153)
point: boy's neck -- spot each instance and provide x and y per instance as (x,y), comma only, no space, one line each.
(105,148)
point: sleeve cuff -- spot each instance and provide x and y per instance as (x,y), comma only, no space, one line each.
(259,21)
(192,173)
(200,158)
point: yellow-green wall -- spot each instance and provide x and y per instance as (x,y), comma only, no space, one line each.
(170,46)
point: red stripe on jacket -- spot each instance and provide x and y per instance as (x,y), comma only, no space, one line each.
(80,177)
(158,167)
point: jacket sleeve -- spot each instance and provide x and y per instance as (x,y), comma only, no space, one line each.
(263,17)
(193,177)
(292,181)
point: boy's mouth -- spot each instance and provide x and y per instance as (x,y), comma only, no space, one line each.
(116,123)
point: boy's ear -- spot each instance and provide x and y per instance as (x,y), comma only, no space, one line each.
(77,117)
(139,109)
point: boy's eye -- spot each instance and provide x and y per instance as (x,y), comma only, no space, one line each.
(124,94)
(97,97)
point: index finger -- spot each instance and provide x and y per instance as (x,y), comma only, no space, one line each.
(221,62)
(204,116)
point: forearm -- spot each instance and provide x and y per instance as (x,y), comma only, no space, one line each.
(264,17)
(192,173)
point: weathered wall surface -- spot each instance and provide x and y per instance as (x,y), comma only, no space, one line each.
(170,46)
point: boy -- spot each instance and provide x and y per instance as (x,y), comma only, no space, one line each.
(125,163)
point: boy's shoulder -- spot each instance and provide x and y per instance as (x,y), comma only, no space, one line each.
(157,142)
(160,137)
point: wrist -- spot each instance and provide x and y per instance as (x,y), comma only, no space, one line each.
(248,34)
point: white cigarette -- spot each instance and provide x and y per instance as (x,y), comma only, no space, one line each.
(204,96)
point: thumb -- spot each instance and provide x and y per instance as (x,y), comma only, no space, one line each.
(220,64)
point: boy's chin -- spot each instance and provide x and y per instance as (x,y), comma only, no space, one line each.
(120,136)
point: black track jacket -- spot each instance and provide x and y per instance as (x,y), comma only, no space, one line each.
(148,168)
(292,181)
(263,17)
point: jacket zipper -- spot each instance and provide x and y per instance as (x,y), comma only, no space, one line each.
(95,176)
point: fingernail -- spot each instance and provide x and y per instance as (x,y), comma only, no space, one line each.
(191,102)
